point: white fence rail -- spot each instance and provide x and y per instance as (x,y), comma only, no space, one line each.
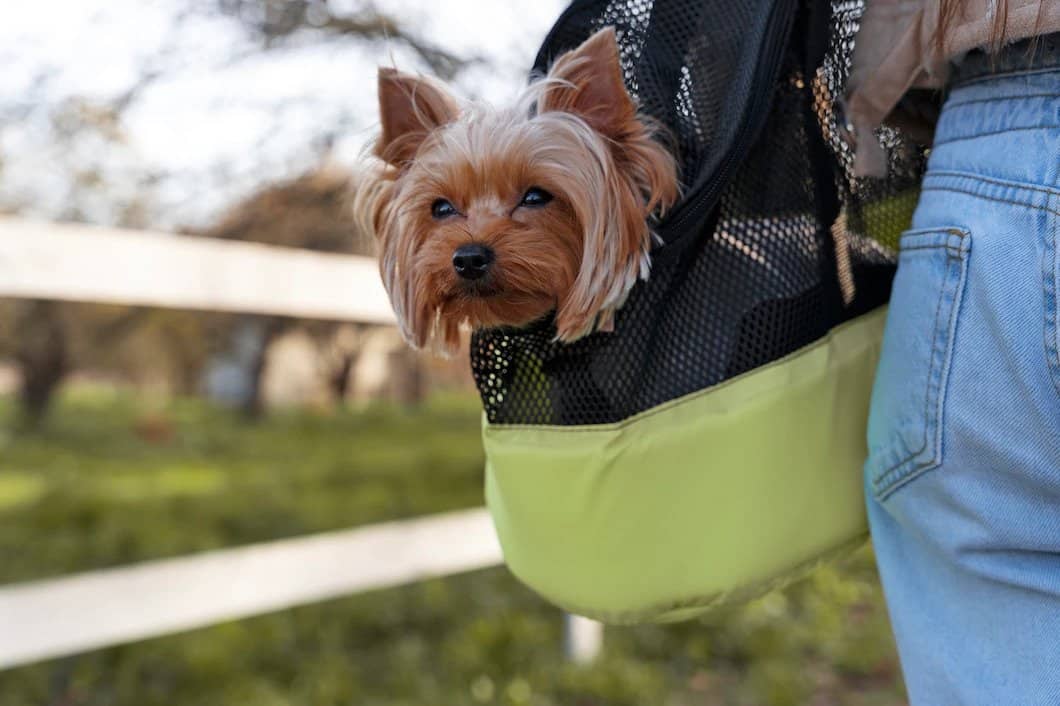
(85,263)
(82,612)
(52,618)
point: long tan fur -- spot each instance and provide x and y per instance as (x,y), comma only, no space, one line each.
(576,134)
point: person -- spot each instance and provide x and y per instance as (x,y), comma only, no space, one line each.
(963,474)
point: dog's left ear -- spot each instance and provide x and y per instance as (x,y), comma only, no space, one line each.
(588,82)
(409,108)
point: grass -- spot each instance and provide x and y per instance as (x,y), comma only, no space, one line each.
(110,481)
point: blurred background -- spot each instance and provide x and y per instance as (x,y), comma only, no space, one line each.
(133,433)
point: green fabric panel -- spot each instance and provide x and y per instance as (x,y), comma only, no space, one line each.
(710,498)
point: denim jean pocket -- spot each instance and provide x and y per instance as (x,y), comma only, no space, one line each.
(908,398)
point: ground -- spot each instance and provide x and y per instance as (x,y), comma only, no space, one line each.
(112,480)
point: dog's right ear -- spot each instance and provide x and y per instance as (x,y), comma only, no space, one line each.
(409,108)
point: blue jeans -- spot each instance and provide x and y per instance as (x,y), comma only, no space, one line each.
(963,475)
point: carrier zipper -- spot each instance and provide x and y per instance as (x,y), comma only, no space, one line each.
(753,119)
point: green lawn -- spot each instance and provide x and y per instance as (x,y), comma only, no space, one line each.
(110,482)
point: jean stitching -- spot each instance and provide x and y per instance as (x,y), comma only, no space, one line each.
(988,133)
(938,376)
(887,478)
(1007,74)
(1048,209)
(884,479)
(998,99)
(1050,273)
(890,478)
(953,251)
(938,173)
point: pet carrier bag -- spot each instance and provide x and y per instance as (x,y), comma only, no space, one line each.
(710,447)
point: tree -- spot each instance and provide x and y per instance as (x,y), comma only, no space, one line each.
(275,20)
(42,355)
(79,161)
(314,212)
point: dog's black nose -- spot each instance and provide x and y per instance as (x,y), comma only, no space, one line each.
(472,261)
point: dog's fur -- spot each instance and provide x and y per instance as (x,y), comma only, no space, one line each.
(576,135)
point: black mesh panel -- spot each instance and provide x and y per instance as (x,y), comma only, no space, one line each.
(747,273)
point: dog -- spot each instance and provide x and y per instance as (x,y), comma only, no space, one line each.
(500,217)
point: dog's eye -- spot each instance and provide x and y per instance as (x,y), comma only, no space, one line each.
(442,209)
(535,196)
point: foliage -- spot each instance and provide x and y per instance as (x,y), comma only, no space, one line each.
(108,481)
(313,211)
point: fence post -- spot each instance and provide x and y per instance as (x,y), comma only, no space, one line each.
(582,638)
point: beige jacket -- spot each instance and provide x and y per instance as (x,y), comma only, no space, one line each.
(894,51)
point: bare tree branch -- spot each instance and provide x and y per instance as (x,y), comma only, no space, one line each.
(275,21)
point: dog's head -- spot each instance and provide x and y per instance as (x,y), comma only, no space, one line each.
(498,217)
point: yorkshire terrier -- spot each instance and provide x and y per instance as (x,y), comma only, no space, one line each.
(499,217)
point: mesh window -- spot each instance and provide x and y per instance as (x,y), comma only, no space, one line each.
(757,261)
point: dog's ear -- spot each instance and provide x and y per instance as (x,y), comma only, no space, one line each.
(615,195)
(587,81)
(409,108)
